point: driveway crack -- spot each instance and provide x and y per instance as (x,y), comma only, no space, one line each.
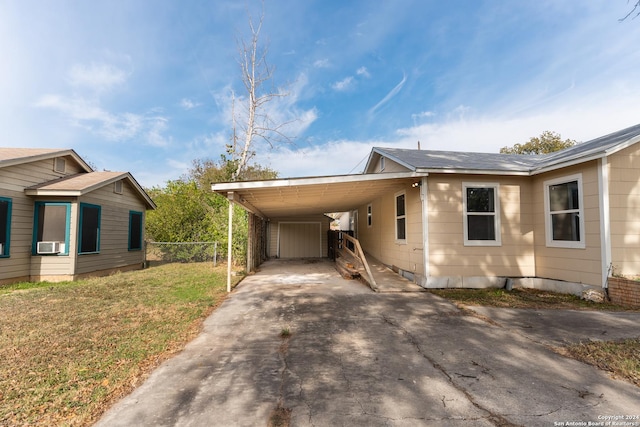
(496,419)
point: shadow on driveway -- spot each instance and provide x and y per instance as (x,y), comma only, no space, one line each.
(359,358)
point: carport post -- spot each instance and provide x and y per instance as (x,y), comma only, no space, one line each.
(230,240)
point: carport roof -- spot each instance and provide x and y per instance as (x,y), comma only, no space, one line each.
(315,195)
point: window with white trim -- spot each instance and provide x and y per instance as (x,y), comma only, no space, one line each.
(401,218)
(369,215)
(5,226)
(381,164)
(481,212)
(564,212)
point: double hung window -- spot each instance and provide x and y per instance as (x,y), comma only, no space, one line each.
(481,211)
(401,218)
(564,216)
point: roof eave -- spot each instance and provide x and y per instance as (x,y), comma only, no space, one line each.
(225,187)
(53,193)
(50,155)
(472,171)
(568,163)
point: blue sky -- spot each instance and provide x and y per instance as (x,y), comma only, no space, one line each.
(144,85)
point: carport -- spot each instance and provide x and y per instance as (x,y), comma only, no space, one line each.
(300,198)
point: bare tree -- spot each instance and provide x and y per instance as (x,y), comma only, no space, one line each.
(254,121)
(636,7)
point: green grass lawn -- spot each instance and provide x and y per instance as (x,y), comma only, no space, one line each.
(69,350)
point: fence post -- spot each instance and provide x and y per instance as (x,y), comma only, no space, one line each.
(215,254)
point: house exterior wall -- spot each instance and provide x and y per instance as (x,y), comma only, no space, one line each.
(23,265)
(13,181)
(579,265)
(324,221)
(379,239)
(114,230)
(389,166)
(624,208)
(448,255)
(57,267)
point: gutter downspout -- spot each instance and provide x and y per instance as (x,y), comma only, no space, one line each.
(605,225)
(230,240)
(425,230)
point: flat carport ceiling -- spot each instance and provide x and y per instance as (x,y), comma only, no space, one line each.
(317,195)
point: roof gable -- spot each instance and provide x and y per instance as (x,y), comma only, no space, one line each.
(17,156)
(80,184)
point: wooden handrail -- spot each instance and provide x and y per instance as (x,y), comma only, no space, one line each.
(359,254)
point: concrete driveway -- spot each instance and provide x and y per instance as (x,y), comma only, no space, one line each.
(359,358)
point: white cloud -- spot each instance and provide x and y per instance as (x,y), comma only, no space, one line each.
(322,63)
(362,71)
(188,104)
(96,76)
(343,84)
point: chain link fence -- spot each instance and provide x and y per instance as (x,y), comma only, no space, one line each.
(165,252)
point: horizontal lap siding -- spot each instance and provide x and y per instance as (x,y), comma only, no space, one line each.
(573,265)
(13,181)
(17,264)
(379,240)
(449,256)
(624,205)
(114,229)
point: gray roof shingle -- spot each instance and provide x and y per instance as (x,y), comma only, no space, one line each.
(510,163)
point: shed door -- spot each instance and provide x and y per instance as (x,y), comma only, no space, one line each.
(299,240)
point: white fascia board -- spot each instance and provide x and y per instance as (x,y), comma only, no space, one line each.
(427,171)
(622,145)
(293,182)
(568,163)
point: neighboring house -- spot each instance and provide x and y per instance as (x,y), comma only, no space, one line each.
(454,219)
(60,220)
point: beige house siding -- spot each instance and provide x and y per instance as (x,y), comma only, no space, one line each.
(274,230)
(448,255)
(389,166)
(379,240)
(624,208)
(114,229)
(569,264)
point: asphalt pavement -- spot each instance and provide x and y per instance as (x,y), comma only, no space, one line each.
(353,357)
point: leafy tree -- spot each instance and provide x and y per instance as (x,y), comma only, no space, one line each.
(547,142)
(187,211)
(207,171)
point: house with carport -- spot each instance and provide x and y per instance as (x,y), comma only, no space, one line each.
(61,220)
(565,220)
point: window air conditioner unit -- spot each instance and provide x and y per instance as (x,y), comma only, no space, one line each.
(48,247)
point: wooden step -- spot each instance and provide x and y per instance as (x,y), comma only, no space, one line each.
(347,268)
